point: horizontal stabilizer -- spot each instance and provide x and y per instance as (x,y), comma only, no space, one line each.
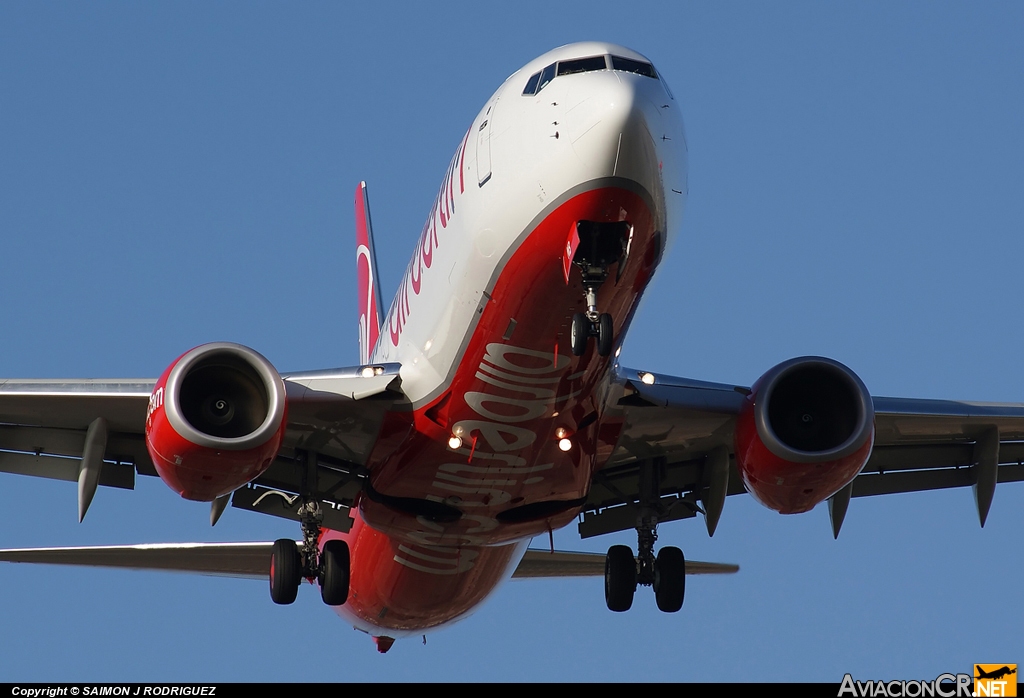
(240,560)
(542,563)
(252,560)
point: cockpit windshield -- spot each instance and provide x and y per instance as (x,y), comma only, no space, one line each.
(539,80)
(582,65)
(628,65)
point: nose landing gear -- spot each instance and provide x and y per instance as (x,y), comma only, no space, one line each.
(600,246)
(583,328)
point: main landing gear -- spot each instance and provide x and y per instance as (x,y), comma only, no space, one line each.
(290,562)
(623,573)
(600,246)
(666,572)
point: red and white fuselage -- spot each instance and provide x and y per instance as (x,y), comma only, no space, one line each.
(463,477)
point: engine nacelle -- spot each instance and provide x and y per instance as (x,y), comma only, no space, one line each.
(216,419)
(804,432)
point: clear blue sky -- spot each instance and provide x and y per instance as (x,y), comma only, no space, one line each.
(177,173)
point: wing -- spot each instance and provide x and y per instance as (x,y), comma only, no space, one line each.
(685,428)
(334,417)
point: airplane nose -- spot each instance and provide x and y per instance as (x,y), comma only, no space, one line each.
(611,130)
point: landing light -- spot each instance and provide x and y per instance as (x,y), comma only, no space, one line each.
(647,378)
(561,432)
(454,443)
(371,371)
(564,444)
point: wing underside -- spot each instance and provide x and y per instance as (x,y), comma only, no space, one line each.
(334,417)
(680,426)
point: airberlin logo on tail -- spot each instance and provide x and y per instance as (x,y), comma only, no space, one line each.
(369,313)
(369,327)
(441,213)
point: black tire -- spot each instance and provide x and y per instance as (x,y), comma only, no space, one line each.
(670,579)
(579,333)
(334,572)
(619,578)
(285,571)
(604,334)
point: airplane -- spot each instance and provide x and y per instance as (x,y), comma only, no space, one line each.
(995,673)
(489,406)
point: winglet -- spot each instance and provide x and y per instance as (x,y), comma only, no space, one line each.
(370,305)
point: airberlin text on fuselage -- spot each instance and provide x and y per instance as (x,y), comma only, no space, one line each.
(491,446)
(441,212)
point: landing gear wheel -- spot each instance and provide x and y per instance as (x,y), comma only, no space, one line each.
(619,578)
(285,571)
(669,579)
(604,334)
(334,572)
(579,333)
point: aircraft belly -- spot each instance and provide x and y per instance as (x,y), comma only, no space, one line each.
(517,388)
(400,588)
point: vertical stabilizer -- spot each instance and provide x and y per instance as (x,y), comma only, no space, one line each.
(370,306)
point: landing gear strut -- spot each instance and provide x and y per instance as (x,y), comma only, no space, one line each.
(290,562)
(666,572)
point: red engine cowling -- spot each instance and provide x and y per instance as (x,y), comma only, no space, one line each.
(804,432)
(215,420)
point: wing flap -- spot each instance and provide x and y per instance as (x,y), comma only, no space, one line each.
(869,484)
(111,475)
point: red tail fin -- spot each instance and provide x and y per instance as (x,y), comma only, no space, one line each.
(370,306)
